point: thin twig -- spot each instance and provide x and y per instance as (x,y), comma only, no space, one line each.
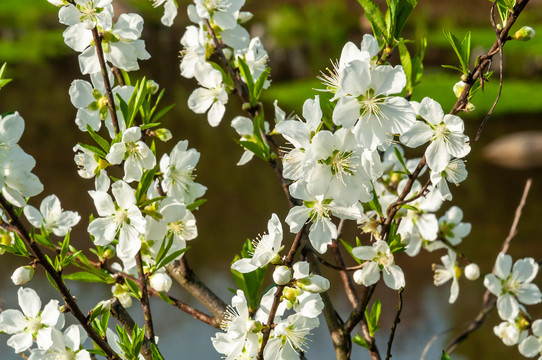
(16,226)
(489,301)
(142,281)
(395,322)
(105,75)
(485,60)
(181,272)
(499,41)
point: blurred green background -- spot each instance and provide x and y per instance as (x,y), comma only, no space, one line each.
(300,36)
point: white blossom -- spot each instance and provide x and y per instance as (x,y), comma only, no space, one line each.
(51,216)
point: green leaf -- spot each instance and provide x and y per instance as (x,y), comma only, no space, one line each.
(171,257)
(123,108)
(402,10)
(155,353)
(165,298)
(50,278)
(134,287)
(144,183)
(253,147)
(245,73)
(406,62)
(161,113)
(461,48)
(373,317)
(251,282)
(445,356)
(374,204)
(359,340)
(84,276)
(196,204)
(349,248)
(64,248)
(258,87)
(94,149)
(104,144)
(399,157)
(375,17)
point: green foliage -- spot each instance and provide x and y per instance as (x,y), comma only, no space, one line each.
(388,26)
(445,356)
(413,66)
(131,345)
(349,248)
(373,317)
(3,81)
(462,50)
(251,282)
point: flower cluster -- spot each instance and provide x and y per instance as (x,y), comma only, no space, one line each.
(43,327)
(512,284)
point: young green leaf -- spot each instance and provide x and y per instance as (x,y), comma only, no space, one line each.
(375,17)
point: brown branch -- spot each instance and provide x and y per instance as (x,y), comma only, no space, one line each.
(358,315)
(70,301)
(109,93)
(181,272)
(395,322)
(485,60)
(119,312)
(342,342)
(142,281)
(499,41)
(489,300)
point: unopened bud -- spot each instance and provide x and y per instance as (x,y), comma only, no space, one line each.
(160,282)
(472,271)
(526,33)
(109,252)
(282,275)
(464,77)
(6,239)
(470,107)
(290,294)
(458,88)
(163,134)
(152,86)
(313,283)
(244,16)
(22,275)
(120,292)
